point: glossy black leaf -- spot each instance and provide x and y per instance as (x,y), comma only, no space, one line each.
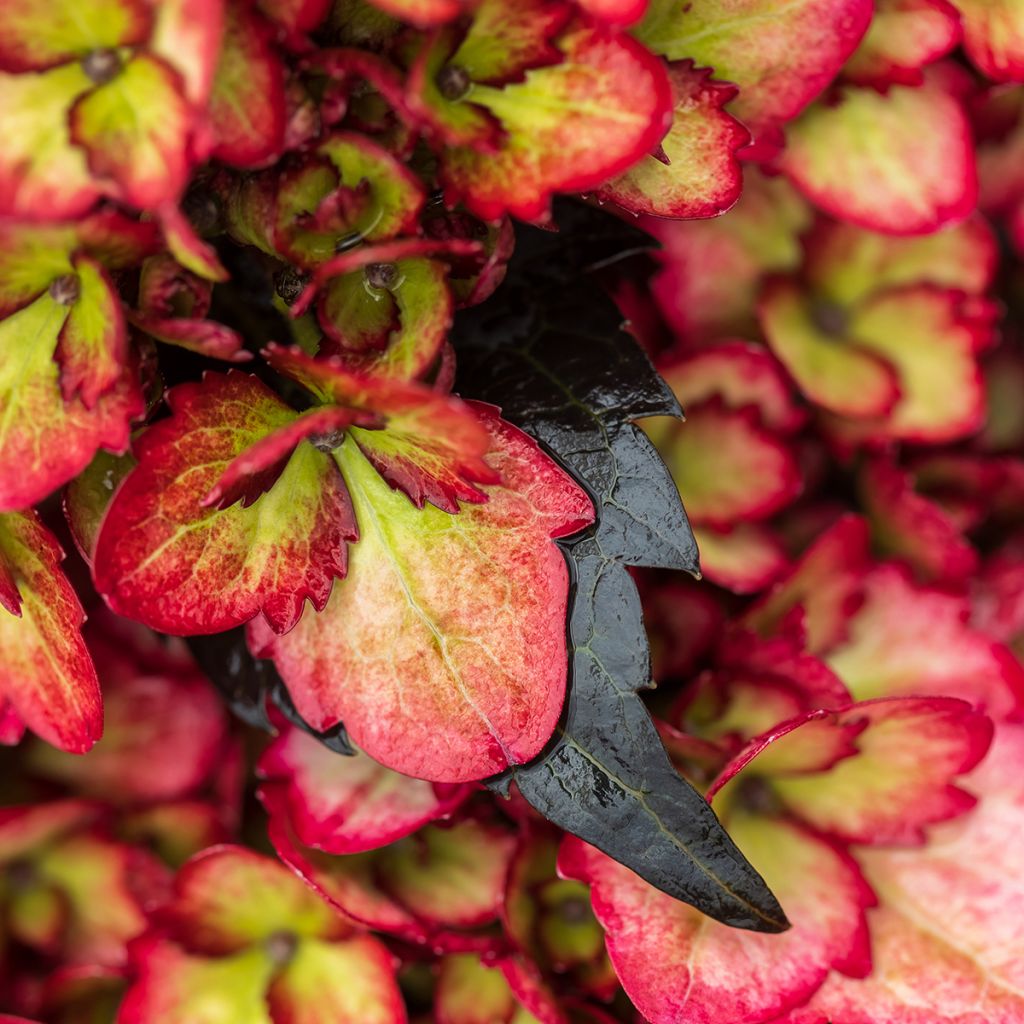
(549,350)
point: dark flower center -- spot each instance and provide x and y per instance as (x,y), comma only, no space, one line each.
(101,65)
(202,209)
(289,284)
(830,318)
(281,946)
(574,910)
(329,441)
(66,289)
(381,275)
(21,875)
(757,795)
(453,82)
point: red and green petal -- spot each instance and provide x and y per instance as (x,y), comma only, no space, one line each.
(906,640)
(27,828)
(207,337)
(613,101)
(396,195)
(831,368)
(247,133)
(87,496)
(353,804)
(451,877)
(877,772)
(186,246)
(823,589)
(47,674)
(941,959)
(744,558)
(911,526)
(994,37)
(424,13)
(810,744)
(31,257)
(901,162)
(451,663)
(172,987)
(101,880)
(37,38)
(347,982)
(93,343)
(780,60)
(228,898)
(904,36)
(847,264)
(246,476)
(347,883)
(447,122)
(42,175)
(676,964)
(175,829)
(728,467)
(908,751)
(934,351)
(743,374)
(504,42)
(470,991)
(187,34)
(166,559)
(134,131)
(702,177)
(762,683)
(393,331)
(712,270)
(37,916)
(432,446)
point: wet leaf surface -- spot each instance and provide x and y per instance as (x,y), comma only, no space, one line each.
(549,349)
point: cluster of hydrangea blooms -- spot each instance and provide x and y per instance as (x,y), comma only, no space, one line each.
(313,190)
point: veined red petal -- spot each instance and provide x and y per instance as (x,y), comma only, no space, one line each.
(246,133)
(35,38)
(135,131)
(780,59)
(46,671)
(432,446)
(165,560)
(702,178)
(594,135)
(940,959)
(452,661)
